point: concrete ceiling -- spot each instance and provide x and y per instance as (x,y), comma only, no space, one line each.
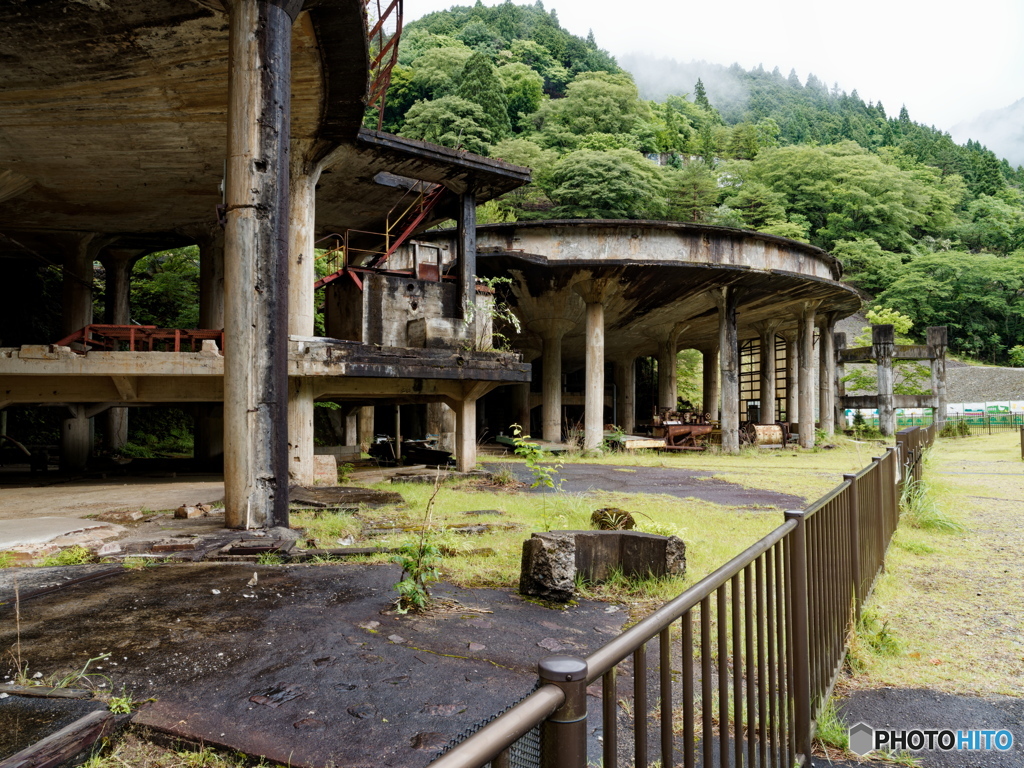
(112,121)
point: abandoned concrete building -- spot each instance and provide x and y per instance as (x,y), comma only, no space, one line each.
(237,126)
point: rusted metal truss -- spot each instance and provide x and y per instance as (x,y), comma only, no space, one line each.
(140,338)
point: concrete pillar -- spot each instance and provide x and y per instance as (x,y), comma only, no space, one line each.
(712,382)
(805,379)
(301,309)
(441,422)
(521,397)
(366,428)
(767,331)
(465,224)
(465,434)
(256,263)
(211,278)
(300,431)
(117,264)
(75,440)
(792,375)
(839,342)
(827,374)
(77,284)
(551,387)
(937,342)
(883,342)
(209,433)
(727,300)
(625,389)
(593,414)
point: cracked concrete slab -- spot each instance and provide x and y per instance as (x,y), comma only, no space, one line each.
(25,532)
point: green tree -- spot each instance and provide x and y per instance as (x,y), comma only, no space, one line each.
(596,102)
(524,90)
(693,192)
(165,289)
(437,72)
(451,122)
(615,184)
(480,84)
(866,265)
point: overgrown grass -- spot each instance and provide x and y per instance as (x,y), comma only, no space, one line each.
(954,600)
(921,507)
(137,751)
(71,556)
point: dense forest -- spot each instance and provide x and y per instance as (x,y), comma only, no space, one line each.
(923,225)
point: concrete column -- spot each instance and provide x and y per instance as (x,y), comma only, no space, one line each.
(625,388)
(256,263)
(727,300)
(117,311)
(805,377)
(211,278)
(593,293)
(465,434)
(75,440)
(827,374)
(300,431)
(441,422)
(521,396)
(839,342)
(465,244)
(883,343)
(937,342)
(551,387)
(767,331)
(712,382)
(792,375)
(209,433)
(301,308)
(366,429)
(77,284)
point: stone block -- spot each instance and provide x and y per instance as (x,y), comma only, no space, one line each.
(552,560)
(188,511)
(325,470)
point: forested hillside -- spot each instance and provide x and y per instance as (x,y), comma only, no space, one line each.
(922,224)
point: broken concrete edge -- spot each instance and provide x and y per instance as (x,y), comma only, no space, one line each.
(553,560)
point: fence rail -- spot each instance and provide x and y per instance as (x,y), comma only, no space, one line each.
(759,644)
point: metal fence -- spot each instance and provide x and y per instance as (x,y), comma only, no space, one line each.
(758,646)
(971,424)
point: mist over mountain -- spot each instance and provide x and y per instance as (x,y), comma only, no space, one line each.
(658,77)
(1001,130)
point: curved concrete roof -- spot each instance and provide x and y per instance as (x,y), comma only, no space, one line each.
(658,277)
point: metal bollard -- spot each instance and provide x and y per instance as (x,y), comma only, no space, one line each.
(563,736)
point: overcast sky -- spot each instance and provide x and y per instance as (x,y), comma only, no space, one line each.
(946,61)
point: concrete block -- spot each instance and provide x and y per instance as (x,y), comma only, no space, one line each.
(437,332)
(188,511)
(552,560)
(325,470)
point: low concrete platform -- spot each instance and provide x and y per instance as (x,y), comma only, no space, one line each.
(39,530)
(308,667)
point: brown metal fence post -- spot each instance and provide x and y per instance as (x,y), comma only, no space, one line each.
(796,553)
(1022,443)
(563,736)
(855,560)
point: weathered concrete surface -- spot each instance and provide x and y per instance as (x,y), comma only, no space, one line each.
(36,530)
(94,496)
(304,667)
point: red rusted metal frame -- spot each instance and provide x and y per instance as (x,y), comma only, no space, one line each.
(384,61)
(140,338)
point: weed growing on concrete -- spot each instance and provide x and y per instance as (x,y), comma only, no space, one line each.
(6,560)
(270,558)
(71,556)
(419,560)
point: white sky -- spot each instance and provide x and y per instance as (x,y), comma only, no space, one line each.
(947,61)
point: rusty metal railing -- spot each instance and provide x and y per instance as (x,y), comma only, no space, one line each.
(758,644)
(384,34)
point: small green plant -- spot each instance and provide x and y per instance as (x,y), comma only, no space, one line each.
(921,509)
(419,560)
(344,470)
(270,558)
(504,477)
(6,560)
(121,705)
(71,556)
(872,636)
(832,731)
(544,474)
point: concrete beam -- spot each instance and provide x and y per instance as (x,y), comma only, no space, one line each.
(882,343)
(937,342)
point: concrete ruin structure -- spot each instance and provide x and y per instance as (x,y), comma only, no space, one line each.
(235,125)
(883,352)
(596,296)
